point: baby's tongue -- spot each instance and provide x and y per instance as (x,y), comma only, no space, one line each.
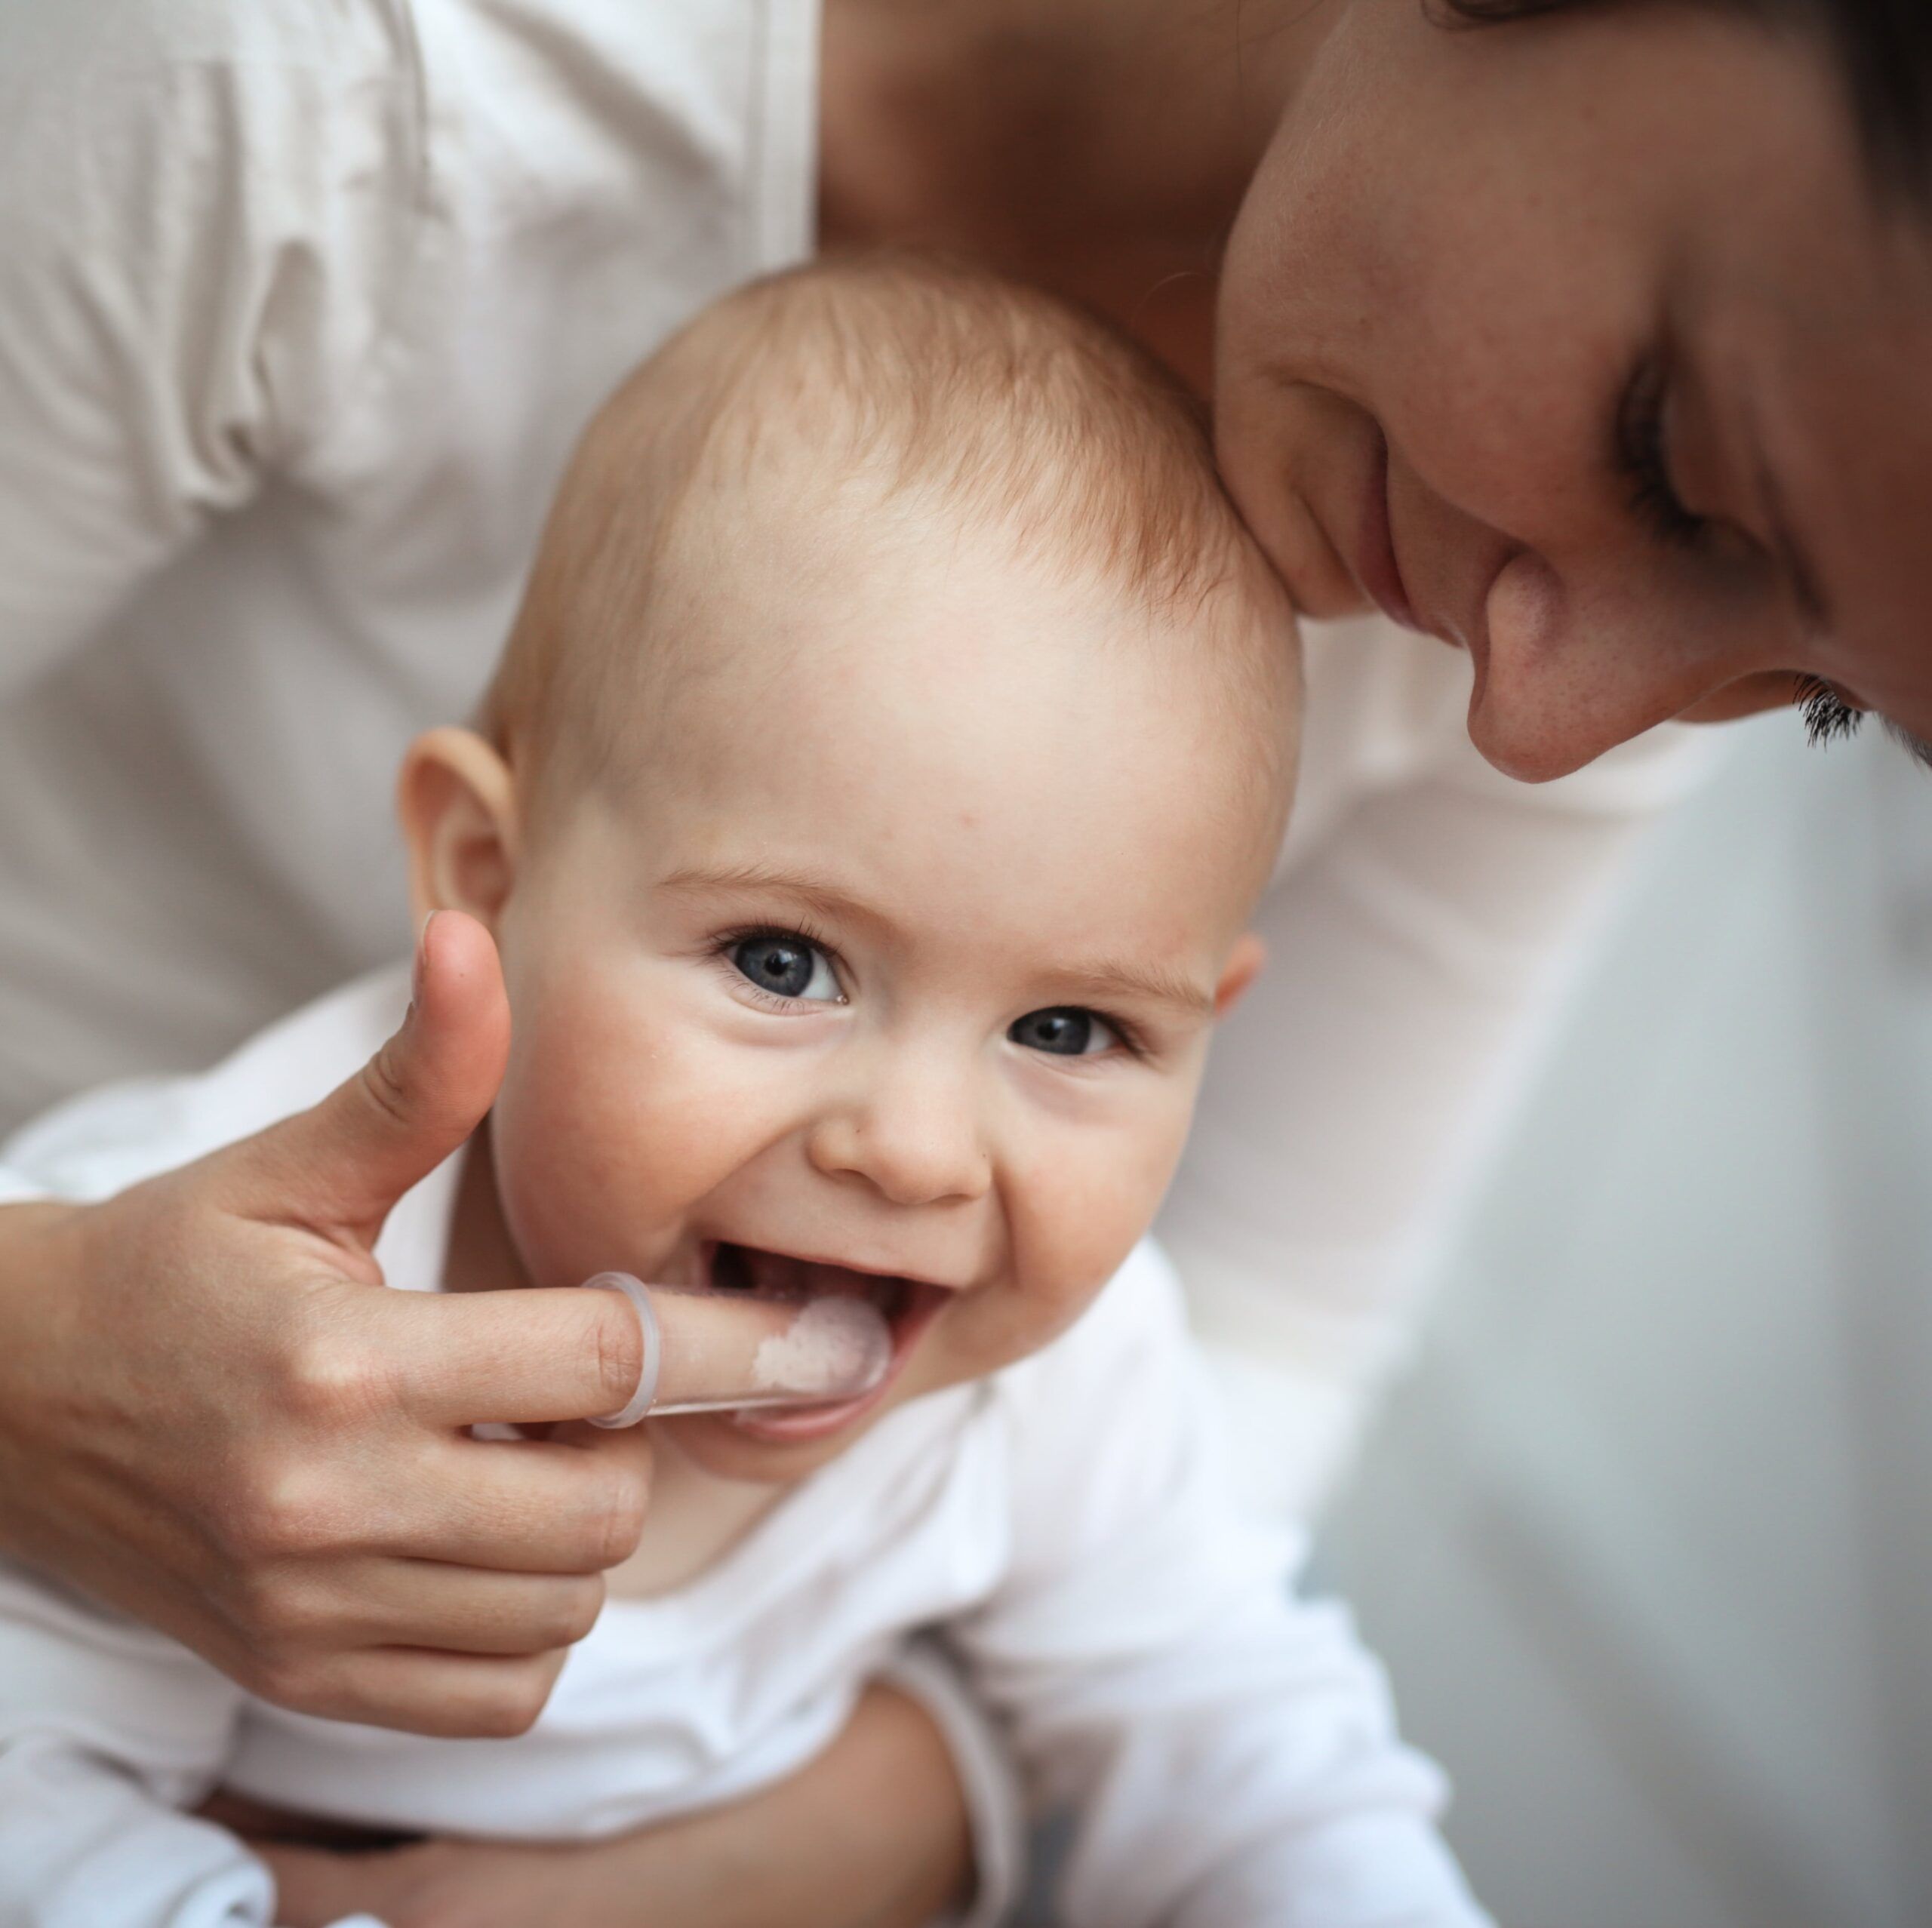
(773,1275)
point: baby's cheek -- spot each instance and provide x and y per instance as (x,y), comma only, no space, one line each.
(609,1128)
(575,1189)
(1117,1185)
(1073,1227)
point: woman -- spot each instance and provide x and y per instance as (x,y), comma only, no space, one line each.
(1585,342)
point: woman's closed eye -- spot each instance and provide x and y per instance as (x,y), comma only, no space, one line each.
(1644,460)
(1663,456)
(1066,1030)
(783,964)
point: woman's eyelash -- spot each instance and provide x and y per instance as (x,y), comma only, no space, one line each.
(1640,458)
(1828,718)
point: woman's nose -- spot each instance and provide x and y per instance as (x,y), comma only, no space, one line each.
(911,1130)
(1566,670)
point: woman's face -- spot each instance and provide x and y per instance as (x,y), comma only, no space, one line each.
(1584,344)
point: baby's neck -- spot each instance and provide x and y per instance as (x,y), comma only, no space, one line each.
(480,1257)
(695,1518)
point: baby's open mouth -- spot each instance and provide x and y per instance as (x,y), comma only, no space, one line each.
(908,1306)
(777,1275)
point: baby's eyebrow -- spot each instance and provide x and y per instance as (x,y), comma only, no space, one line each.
(1101,981)
(816,893)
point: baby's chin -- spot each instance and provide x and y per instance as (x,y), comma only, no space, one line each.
(722,1445)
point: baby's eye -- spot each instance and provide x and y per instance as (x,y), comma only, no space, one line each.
(786,966)
(1064,1031)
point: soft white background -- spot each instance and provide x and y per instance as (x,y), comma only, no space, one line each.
(1646,1533)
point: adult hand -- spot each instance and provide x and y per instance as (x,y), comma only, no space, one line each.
(872,1835)
(214,1417)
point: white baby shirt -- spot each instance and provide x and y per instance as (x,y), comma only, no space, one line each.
(1065,1526)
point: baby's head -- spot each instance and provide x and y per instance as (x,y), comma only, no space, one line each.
(868,809)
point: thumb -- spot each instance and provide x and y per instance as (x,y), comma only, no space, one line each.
(341,1166)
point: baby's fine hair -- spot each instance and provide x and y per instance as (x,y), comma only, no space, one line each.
(887,381)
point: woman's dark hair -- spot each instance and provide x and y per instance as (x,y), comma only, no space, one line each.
(1884,49)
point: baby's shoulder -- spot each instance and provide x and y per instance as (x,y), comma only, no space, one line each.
(1131,1344)
(1111,1430)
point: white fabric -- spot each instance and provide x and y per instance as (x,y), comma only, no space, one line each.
(1424,915)
(300,308)
(1067,1526)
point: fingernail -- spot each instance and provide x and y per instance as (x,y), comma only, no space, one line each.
(415,969)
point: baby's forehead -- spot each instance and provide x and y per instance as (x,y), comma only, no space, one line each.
(964,699)
(794,492)
(793,577)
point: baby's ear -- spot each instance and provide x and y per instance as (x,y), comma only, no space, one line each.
(1244,962)
(457,802)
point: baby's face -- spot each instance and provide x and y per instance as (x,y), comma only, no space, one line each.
(888,965)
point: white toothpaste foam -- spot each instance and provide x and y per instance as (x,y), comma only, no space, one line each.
(836,1348)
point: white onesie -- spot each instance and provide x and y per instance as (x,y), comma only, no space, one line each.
(1064,1528)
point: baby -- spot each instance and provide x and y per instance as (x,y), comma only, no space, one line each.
(867,812)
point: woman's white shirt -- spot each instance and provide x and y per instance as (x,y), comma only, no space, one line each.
(301,309)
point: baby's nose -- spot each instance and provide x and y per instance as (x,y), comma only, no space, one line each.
(913,1134)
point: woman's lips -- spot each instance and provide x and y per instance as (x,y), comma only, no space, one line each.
(1376,569)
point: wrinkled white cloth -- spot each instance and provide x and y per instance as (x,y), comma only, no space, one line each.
(1066,1526)
(301,307)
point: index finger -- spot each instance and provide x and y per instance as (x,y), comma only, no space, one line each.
(519,1357)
